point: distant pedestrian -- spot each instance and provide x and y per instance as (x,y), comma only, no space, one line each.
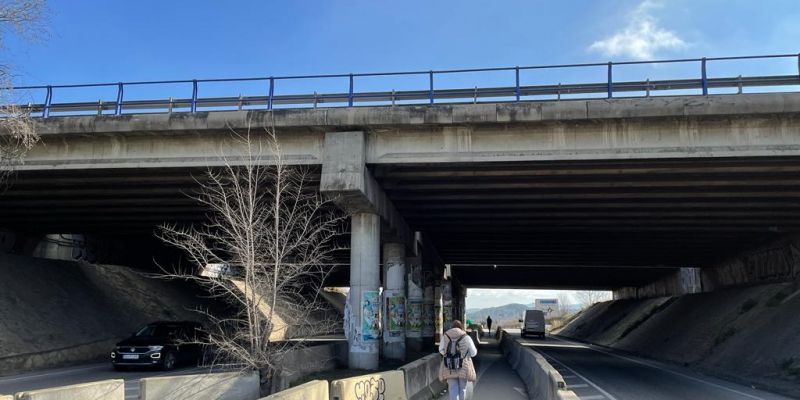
(489,324)
(457,369)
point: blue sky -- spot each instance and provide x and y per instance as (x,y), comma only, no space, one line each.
(110,41)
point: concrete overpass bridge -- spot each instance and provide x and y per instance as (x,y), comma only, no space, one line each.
(613,193)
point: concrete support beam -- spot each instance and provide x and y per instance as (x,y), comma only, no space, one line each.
(394,295)
(364,298)
(347,180)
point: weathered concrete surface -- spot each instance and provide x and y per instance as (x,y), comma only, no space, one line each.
(746,334)
(104,390)
(422,377)
(667,127)
(540,111)
(314,390)
(776,262)
(347,180)
(682,281)
(222,386)
(298,364)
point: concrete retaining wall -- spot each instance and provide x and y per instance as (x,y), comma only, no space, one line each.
(314,390)
(542,381)
(300,363)
(388,385)
(103,390)
(222,386)
(64,356)
(422,377)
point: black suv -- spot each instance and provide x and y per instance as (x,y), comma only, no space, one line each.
(160,344)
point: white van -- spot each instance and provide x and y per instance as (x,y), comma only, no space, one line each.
(533,324)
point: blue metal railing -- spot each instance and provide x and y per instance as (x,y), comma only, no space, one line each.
(429,95)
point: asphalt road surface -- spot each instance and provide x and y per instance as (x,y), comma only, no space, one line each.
(84,373)
(596,373)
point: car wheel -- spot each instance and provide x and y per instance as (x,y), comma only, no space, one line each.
(170,359)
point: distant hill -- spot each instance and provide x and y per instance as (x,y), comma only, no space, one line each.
(508,312)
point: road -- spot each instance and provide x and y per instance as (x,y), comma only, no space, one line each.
(596,373)
(81,374)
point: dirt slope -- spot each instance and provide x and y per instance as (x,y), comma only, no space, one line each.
(53,307)
(750,334)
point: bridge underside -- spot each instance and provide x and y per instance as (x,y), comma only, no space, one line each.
(568,224)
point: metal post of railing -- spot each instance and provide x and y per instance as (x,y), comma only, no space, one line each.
(516,89)
(271,92)
(430,90)
(120,93)
(47,100)
(704,77)
(798,65)
(194,96)
(610,87)
(350,93)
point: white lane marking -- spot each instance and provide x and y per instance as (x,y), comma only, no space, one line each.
(578,386)
(522,392)
(633,360)
(593,397)
(60,372)
(599,389)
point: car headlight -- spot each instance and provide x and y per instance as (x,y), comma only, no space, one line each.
(155,348)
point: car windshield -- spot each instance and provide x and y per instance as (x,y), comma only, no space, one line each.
(160,331)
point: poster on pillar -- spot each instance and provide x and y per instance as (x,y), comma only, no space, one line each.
(428,320)
(370,316)
(414,317)
(396,311)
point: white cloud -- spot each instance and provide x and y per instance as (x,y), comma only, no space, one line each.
(641,38)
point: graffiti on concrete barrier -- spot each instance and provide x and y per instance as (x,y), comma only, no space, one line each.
(371,389)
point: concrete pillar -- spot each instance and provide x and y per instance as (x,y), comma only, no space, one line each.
(428,315)
(364,300)
(414,305)
(394,294)
(447,304)
(438,318)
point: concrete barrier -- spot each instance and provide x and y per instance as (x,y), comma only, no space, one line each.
(388,385)
(422,378)
(542,381)
(314,390)
(5,397)
(113,389)
(298,364)
(217,386)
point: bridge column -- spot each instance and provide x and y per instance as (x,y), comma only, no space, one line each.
(394,294)
(414,305)
(428,313)
(364,300)
(447,304)
(438,318)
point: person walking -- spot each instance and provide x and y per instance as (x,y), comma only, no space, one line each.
(489,324)
(457,369)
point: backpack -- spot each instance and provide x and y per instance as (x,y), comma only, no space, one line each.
(453,359)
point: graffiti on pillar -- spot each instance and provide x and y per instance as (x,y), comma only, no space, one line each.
(370,316)
(447,314)
(414,317)
(396,309)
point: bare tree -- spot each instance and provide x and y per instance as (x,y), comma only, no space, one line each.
(265,248)
(25,19)
(587,298)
